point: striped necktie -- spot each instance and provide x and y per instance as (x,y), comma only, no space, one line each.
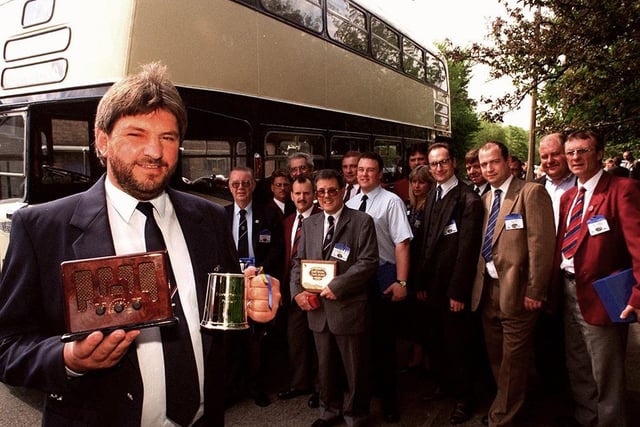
(570,242)
(243,239)
(296,239)
(328,238)
(491,226)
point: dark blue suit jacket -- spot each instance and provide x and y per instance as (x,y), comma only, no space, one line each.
(32,314)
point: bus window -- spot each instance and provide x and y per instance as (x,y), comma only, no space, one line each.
(347,25)
(389,150)
(12,175)
(279,145)
(385,44)
(436,73)
(205,158)
(341,144)
(413,59)
(307,13)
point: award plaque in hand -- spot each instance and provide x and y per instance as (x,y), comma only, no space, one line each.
(316,275)
(116,292)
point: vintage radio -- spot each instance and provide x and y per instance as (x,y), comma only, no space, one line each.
(116,292)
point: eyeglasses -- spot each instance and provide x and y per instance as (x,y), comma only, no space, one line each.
(333,192)
(442,163)
(302,168)
(238,184)
(579,152)
(281,184)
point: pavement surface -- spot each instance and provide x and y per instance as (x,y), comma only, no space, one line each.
(21,407)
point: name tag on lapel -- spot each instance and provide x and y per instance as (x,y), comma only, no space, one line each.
(340,251)
(597,225)
(451,228)
(513,222)
(264,236)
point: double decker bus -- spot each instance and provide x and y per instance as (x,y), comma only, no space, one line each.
(261,79)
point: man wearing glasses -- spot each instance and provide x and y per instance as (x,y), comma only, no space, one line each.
(449,252)
(603,239)
(513,274)
(257,233)
(300,164)
(340,320)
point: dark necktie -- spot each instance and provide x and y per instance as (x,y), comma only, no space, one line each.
(363,204)
(328,238)
(296,239)
(438,193)
(476,189)
(570,242)
(347,194)
(243,238)
(181,375)
(491,226)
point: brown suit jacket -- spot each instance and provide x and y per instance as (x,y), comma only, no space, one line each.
(523,257)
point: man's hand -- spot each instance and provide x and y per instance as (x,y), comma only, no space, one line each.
(97,351)
(328,294)
(455,306)
(628,310)
(260,307)
(421,295)
(398,293)
(302,299)
(532,304)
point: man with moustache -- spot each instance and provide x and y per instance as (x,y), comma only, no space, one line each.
(299,338)
(599,234)
(281,189)
(350,174)
(119,378)
(450,249)
(474,173)
(341,320)
(513,275)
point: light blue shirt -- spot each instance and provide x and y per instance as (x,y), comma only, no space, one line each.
(389,215)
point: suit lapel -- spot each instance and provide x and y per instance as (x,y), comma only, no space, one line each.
(438,221)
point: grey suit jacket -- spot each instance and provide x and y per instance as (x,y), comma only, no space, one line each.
(353,284)
(523,257)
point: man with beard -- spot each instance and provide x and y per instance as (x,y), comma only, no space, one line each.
(118,378)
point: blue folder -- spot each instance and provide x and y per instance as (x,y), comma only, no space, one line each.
(614,292)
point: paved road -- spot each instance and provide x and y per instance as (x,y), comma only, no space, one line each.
(20,407)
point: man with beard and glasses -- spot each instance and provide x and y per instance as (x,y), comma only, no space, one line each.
(118,378)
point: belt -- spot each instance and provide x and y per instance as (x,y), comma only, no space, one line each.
(569,275)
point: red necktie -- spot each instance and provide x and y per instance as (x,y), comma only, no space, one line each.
(296,239)
(570,242)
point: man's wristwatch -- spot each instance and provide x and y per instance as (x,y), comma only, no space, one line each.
(402,283)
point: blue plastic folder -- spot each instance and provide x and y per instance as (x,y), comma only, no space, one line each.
(614,292)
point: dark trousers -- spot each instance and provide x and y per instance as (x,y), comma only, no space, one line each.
(302,352)
(384,353)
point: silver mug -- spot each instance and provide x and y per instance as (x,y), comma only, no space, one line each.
(225,304)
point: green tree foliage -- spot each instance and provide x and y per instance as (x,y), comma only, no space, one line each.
(464,120)
(583,57)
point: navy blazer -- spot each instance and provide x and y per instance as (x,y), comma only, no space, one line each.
(267,221)
(32,314)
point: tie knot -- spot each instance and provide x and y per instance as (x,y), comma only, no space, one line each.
(300,218)
(582,190)
(330,219)
(243,212)
(364,197)
(146,208)
(497,192)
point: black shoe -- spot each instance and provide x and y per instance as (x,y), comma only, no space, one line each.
(261,399)
(567,421)
(326,423)
(461,412)
(390,414)
(485,420)
(314,400)
(291,393)
(435,394)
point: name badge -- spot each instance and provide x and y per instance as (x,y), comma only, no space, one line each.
(340,251)
(450,228)
(264,236)
(513,222)
(597,225)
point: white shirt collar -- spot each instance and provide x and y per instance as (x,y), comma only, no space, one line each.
(125,204)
